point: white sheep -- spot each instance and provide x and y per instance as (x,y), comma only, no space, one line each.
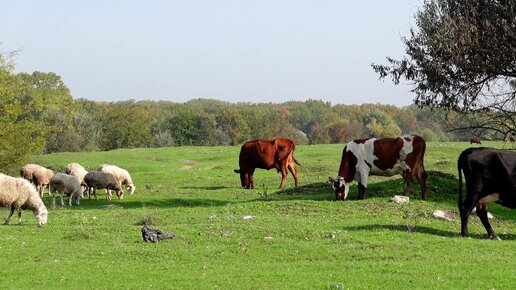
(27,170)
(18,194)
(78,171)
(41,178)
(121,175)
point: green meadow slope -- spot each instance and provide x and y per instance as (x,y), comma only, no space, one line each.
(296,238)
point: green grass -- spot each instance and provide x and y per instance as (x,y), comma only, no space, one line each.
(297,238)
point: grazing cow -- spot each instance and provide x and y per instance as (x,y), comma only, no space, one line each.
(267,154)
(509,139)
(383,156)
(490,176)
(474,140)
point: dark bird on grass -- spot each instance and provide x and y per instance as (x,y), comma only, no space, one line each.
(152,235)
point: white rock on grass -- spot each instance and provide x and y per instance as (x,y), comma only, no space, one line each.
(400,199)
(441,214)
(248,217)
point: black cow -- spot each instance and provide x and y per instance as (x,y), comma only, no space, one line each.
(490,176)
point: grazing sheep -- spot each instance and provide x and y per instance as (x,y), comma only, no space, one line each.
(67,184)
(121,175)
(27,170)
(18,194)
(41,178)
(97,180)
(78,171)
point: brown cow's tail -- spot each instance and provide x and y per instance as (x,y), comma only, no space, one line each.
(292,153)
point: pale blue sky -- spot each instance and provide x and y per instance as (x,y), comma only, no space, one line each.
(251,51)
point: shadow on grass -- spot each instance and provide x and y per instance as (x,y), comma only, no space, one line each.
(442,187)
(423,230)
(175,202)
(205,187)
(161,202)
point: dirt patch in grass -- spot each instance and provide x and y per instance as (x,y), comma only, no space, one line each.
(188,164)
(213,165)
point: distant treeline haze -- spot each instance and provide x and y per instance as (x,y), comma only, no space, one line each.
(87,125)
(39,115)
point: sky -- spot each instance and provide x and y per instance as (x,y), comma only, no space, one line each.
(230,50)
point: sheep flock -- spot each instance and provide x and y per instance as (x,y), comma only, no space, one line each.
(26,191)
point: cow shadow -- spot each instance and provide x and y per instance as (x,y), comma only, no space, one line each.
(442,187)
(424,230)
(204,187)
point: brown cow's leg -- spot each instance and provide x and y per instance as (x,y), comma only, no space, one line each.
(482,214)
(408,179)
(251,179)
(293,171)
(422,178)
(283,176)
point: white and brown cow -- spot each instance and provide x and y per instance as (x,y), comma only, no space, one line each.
(381,156)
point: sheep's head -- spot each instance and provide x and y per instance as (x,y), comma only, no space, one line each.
(131,188)
(41,215)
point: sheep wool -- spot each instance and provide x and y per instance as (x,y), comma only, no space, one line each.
(18,194)
(27,170)
(76,170)
(121,175)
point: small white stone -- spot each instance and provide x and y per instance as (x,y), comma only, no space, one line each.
(441,214)
(248,217)
(400,199)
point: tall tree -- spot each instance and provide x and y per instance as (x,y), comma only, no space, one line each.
(19,136)
(47,101)
(126,125)
(462,56)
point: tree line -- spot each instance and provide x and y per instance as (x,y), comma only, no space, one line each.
(460,58)
(39,115)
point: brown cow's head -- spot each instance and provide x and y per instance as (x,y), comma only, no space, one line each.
(340,186)
(244,178)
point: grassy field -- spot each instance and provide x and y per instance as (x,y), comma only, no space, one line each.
(297,238)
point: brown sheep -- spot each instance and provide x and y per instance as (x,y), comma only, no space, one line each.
(41,178)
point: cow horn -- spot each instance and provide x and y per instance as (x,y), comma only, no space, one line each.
(237,170)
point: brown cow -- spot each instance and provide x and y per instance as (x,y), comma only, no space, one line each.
(267,154)
(474,140)
(381,156)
